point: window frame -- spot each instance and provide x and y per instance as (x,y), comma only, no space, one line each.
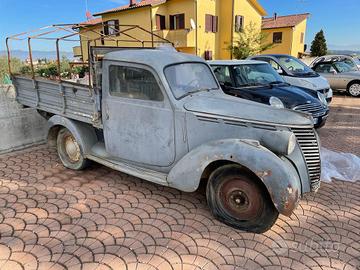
(138,66)
(211,23)
(116,26)
(278,41)
(161,21)
(177,24)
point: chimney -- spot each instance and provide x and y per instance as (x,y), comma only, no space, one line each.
(132,3)
(275,16)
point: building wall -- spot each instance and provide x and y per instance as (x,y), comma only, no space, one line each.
(291,43)
(281,48)
(298,46)
(186,40)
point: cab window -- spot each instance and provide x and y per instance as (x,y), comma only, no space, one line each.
(134,83)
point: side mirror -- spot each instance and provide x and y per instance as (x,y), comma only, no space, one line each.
(280,71)
(333,71)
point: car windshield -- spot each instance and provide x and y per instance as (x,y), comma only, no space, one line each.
(188,78)
(256,75)
(295,66)
(342,67)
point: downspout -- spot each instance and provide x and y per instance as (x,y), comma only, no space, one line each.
(232,26)
(152,27)
(196,29)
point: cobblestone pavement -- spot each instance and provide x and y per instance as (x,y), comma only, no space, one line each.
(54,218)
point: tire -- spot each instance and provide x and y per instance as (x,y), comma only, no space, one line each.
(69,151)
(354,89)
(240,201)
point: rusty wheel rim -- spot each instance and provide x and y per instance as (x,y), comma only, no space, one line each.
(72,148)
(240,198)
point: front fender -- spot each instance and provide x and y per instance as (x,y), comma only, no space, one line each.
(278,174)
(84,133)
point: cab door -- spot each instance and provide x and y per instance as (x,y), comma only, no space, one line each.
(138,119)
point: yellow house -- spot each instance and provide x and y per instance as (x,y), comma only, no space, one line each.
(203,27)
(287,33)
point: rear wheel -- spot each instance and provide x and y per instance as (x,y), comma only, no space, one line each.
(240,201)
(354,89)
(69,151)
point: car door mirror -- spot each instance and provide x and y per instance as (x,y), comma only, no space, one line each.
(279,71)
(333,71)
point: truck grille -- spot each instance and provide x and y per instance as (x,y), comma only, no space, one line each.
(316,110)
(310,148)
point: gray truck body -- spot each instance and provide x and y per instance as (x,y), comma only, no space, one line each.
(175,142)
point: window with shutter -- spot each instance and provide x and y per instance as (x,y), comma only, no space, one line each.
(277,37)
(208,55)
(112,27)
(177,21)
(302,38)
(211,23)
(160,22)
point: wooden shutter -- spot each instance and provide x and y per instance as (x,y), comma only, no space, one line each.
(208,55)
(214,24)
(208,23)
(106,28)
(181,24)
(162,22)
(239,23)
(117,27)
(172,22)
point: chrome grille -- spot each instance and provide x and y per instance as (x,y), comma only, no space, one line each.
(316,110)
(310,148)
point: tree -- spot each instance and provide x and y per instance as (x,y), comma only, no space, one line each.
(4,68)
(318,46)
(250,41)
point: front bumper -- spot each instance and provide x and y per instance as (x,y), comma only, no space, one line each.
(321,120)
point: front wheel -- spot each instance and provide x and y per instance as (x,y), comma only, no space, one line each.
(69,151)
(240,201)
(354,89)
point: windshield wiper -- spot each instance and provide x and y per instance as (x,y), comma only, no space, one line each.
(195,91)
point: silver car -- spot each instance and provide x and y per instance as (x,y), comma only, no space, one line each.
(340,75)
(352,61)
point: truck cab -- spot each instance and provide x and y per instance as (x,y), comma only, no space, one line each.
(162,116)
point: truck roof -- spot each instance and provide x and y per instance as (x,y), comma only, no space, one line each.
(234,62)
(156,58)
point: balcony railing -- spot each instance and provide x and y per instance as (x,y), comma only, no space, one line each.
(179,37)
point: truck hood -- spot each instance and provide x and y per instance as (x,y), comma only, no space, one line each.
(219,104)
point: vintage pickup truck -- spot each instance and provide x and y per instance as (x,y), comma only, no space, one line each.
(161,116)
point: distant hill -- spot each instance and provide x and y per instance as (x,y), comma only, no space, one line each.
(343,52)
(50,55)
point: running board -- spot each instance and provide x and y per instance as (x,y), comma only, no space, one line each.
(142,173)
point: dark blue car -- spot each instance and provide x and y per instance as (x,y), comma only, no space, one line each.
(259,82)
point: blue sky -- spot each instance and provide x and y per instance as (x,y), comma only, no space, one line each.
(339,18)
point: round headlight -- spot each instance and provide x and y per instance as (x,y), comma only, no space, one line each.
(322,98)
(276,102)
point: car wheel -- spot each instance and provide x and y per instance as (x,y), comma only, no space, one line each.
(354,89)
(69,151)
(239,200)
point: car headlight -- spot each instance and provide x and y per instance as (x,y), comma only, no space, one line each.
(322,98)
(291,144)
(276,102)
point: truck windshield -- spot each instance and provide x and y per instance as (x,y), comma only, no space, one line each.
(188,78)
(295,66)
(256,75)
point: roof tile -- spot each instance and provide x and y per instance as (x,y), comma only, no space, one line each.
(283,21)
